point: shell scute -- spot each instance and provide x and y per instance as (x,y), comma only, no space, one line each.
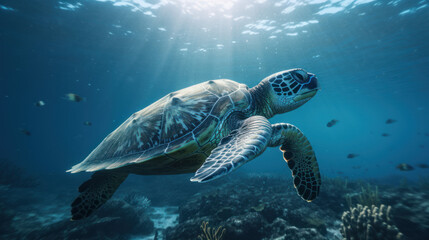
(185,111)
(204,132)
(184,146)
(223,105)
(221,87)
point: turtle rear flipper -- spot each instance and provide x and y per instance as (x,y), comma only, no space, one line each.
(95,192)
(300,158)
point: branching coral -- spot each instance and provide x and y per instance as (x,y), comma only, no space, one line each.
(369,223)
(211,233)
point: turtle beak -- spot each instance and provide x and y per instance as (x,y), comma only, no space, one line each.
(312,82)
(309,89)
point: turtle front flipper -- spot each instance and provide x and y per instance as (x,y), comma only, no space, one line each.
(242,145)
(300,158)
(95,192)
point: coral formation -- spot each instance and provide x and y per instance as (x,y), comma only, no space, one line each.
(284,231)
(255,207)
(137,199)
(369,223)
(250,207)
(211,233)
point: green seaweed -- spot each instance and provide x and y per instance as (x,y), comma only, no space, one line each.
(367,197)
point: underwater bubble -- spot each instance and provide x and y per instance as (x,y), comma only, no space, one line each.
(40,103)
(73,97)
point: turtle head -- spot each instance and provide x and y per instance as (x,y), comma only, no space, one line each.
(287,90)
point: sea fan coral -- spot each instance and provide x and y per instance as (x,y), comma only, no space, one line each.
(211,233)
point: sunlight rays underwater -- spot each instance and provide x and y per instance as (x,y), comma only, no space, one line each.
(163,46)
(367,125)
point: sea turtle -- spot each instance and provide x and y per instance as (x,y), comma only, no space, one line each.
(209,128)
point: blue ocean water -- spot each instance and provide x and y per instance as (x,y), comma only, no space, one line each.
(371,58)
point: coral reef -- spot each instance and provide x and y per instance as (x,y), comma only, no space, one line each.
(255,207)
(369,223)
(259,207)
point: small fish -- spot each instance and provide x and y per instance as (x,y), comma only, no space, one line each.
(422,165)
(40,103)
(352,155)
(385,134)
(390,121)
(25,131)
(87,123)
(331,123)
(73,97)
(404,167)
(356,167)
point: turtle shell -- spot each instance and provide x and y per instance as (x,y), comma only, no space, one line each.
(178,125)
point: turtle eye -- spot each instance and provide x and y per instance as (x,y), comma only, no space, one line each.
(300,76)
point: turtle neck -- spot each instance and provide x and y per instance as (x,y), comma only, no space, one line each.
(261,100)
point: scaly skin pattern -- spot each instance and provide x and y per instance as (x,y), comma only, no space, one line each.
(242,145)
